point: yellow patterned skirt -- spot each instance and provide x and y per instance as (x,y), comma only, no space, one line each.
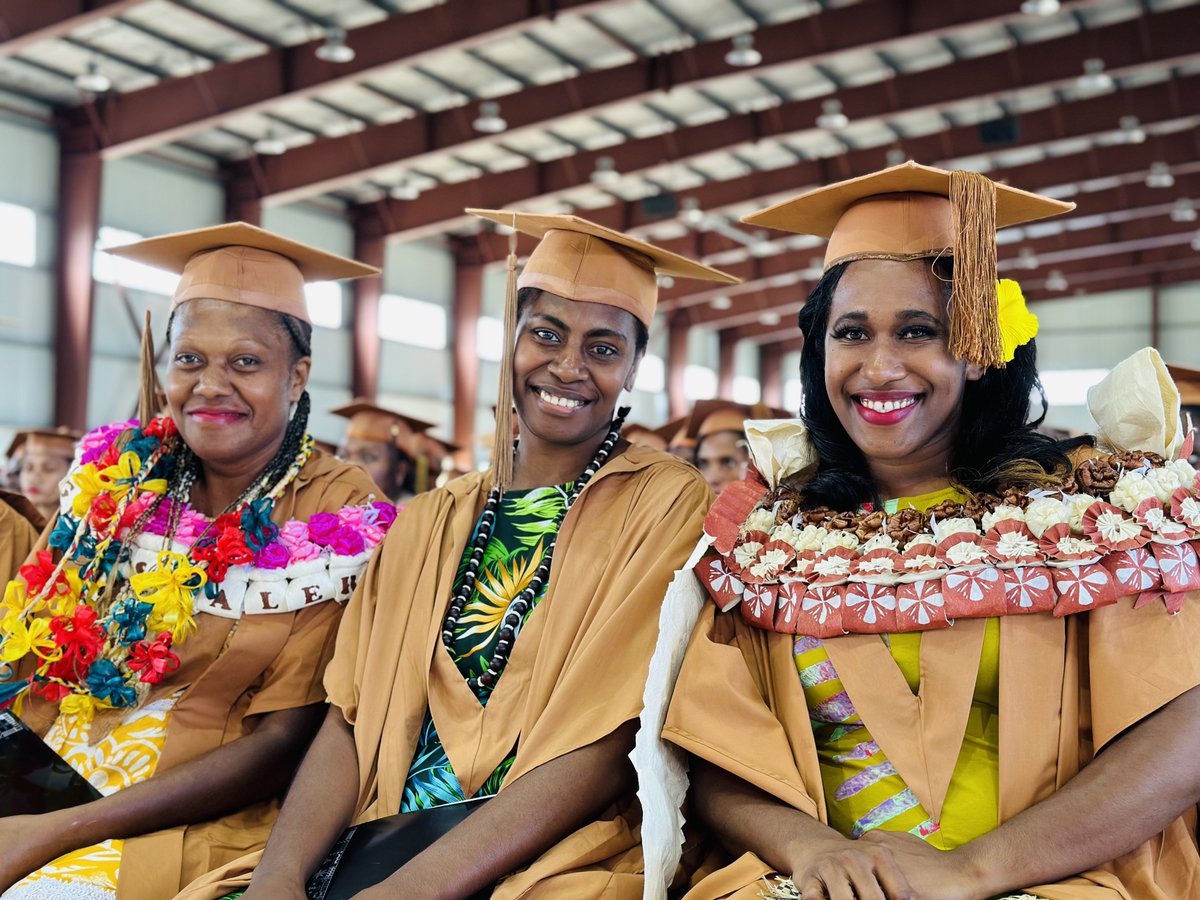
(127,755)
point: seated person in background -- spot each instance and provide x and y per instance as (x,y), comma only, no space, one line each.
(721,453)
(20,524)
(949,666)
(388,445)
(499,643)
(646,437)
(169,636)
(46,455)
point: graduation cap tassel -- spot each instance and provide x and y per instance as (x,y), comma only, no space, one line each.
(502,447)
(148,390)
(974,314)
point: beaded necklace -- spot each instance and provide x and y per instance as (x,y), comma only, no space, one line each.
(520,604)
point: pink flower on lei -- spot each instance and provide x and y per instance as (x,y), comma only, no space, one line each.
(347,542)
(385,513)
(294,536)
(363,519)
(273,556)
(93,444)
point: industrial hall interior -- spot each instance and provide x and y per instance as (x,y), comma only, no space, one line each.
(599,448)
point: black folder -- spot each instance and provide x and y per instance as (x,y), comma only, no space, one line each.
(367,854)
(33,778)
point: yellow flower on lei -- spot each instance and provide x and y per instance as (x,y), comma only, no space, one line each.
(22,638)
(169,588)
(84,706)
(91,483)
(16,603)
(124,474)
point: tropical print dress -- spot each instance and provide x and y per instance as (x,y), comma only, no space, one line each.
(526,523)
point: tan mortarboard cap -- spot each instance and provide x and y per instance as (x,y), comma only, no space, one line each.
(647,437)
(581,260)
(371,422)
(60,440)
(1188,382)
(912,211)
(713,416)
(674,432)
(242,263)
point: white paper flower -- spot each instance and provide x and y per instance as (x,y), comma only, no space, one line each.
(1071,546)
(1164,481)
(808,538)
(1015,545)
(746,554)
(918,539)
(1002,513)
(759,520)
(1184,472)
(1131,489)
(1115,528)
(1078,504)
(1044,512)
(832,566)
(965,553)
(771,564)
(847,539)
(881,541)
(946,527)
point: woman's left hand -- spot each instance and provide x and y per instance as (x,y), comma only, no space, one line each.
(934,874)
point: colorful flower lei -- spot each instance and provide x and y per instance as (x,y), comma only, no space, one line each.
(1121,525)
(93,647)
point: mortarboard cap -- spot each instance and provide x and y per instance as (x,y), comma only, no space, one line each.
(910,212)
(368,421)
(647,437)
(242,263)
(60,440)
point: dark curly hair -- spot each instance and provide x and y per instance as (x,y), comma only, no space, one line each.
(998,443)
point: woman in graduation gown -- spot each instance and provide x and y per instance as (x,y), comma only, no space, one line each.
(499,643)
(168,637)
(389,445)
(1013,708)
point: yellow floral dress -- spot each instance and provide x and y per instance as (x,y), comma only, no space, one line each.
(127,755)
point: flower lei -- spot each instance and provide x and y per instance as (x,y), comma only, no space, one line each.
(95,647)
(1120,525)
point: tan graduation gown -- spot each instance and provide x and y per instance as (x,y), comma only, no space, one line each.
(273,662)
(1067,687)
(18,533)
(576,673)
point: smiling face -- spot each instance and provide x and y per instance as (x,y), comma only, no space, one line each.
(231,380)
(890,378)
(572,361)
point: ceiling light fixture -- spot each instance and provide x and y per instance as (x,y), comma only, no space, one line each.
(691,214)
(335,49)
(1026,258)
(743,55)
(815,270)
(1184,211)
(1160,176)
(1040,7)
(721,303)
(769,319)
(605,172)
(1131,130)
(489,121)
(93,80)
(1094,79)
(269,145)
(896,157)
(666,282)
(1056,281)
(832,118)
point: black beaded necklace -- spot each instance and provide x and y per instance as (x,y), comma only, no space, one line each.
(520,604)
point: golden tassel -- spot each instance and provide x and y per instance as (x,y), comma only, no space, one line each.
(974,314)
(148,392)
(502,446)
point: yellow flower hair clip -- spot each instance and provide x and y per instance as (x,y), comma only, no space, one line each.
(1018,326)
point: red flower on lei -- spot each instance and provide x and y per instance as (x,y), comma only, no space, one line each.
(37,574)
(227,549)
(153,659)
(80,641)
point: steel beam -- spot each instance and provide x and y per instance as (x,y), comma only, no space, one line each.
(26,22)
(467,308)
(1050,63)
(335,163)
(79,180)
(365,348)
(173,109)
